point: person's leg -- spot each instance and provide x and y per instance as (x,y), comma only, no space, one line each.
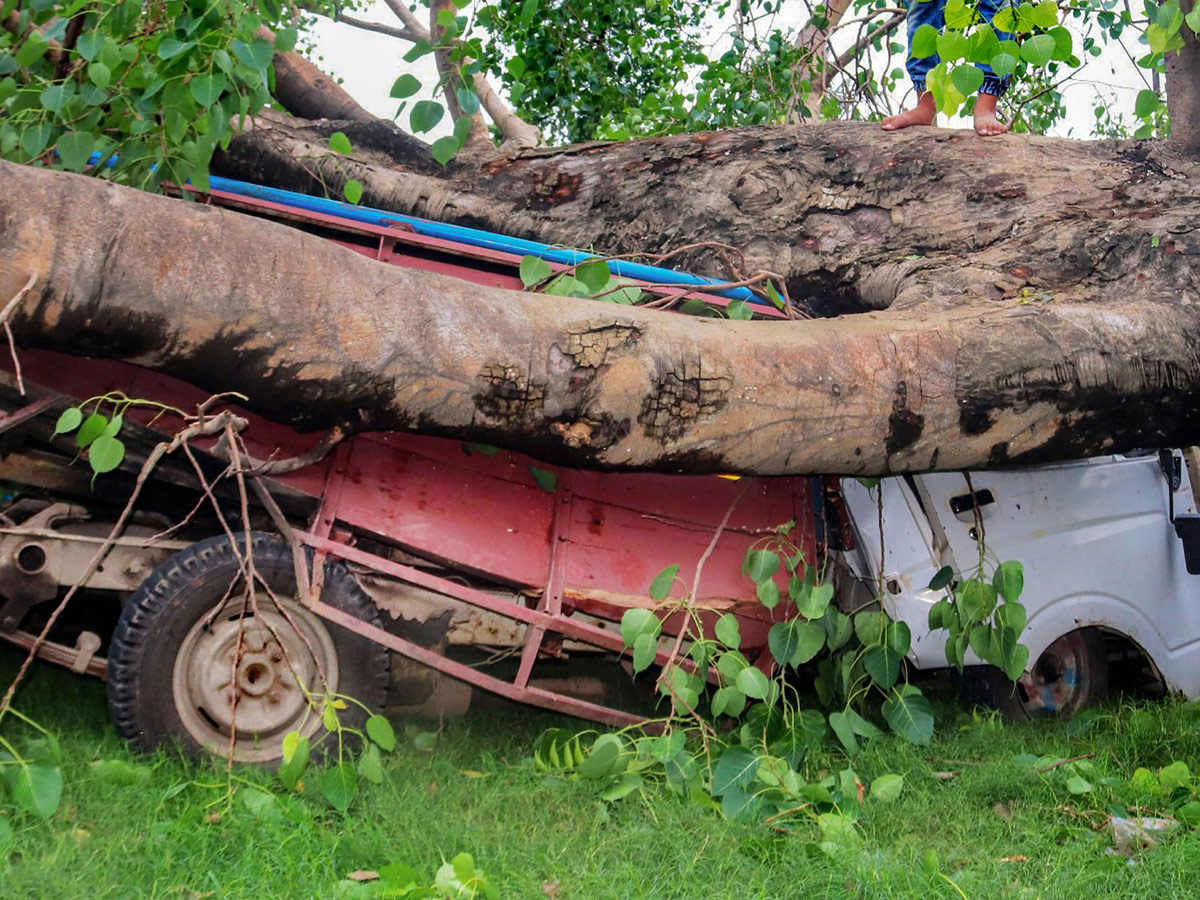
(987,123)
(920,12)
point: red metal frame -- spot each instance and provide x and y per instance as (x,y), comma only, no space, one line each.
(591,546)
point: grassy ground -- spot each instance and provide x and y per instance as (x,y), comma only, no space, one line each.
(145,835)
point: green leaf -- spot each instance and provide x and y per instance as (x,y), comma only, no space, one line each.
(952,45)
(105,454)
(405,86)
(35,138)
(761,565)
(1064,43)
(941,578)
(90,42)
(6,834)
(425,115)
(899,637)
(534,270)
(74,148)
(784,639)
(909,715)
(810,638)
(1174,776)
(637,621)
(883,665)
(1188,815)
(603,757)
(727,631)
(728,701)
(730,664)
(468,100)
(838,628)
(352,190)
(545,479)
(1045,14)
(1147,102)
(207,89)
(1016,663)
(967,79)
(629,783)
(660,587)
(768,593)
(1009,580)
(92,428)
(736,768)
(290,771)
(1193,19)
(99,74)
(285,40)
(644,651)
(168,47)
(861,726)
(338,785)
(924,42)
(55,96)
(976,600)
(940,615)
(445,149)
(845,734)
(380,731)
(37,789)
(869,626)
(753,683)
(1011,615)
(370,765)
(886,788)
(1076,784)
(814,605)
(1038,50)
(594,275)
(68,421)
(739,310)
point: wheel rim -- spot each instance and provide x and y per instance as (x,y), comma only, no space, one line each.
(1058,682)
(263,696)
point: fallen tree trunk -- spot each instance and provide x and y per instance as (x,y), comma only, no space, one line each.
(317,335)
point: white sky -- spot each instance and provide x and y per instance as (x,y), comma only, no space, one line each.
(368,63)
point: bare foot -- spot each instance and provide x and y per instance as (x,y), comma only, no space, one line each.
(924,113)
(986,122)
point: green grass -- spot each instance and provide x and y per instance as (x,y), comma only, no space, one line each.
(135,840)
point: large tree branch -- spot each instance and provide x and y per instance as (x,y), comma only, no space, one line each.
(478,139)
(323,335)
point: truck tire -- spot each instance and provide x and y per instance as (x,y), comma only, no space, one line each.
(171,678)
(1070,675)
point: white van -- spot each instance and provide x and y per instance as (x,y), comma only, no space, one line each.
(1106,575)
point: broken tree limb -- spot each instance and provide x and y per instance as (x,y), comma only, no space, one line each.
(317,336)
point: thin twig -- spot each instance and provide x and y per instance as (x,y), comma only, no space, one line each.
(4,314)
(1063,762)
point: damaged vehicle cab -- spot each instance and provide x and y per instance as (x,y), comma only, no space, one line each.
(1111,560)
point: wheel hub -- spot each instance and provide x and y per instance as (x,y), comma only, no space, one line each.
(251,671)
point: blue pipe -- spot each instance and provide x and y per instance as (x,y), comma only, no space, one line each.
(473,237)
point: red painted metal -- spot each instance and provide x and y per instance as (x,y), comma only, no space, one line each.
(592,545)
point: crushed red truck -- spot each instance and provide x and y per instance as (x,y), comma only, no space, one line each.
(437,567)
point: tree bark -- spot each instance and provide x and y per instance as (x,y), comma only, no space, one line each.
(1183,90)
(957,373)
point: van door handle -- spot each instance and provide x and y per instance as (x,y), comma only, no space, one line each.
(965,503)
